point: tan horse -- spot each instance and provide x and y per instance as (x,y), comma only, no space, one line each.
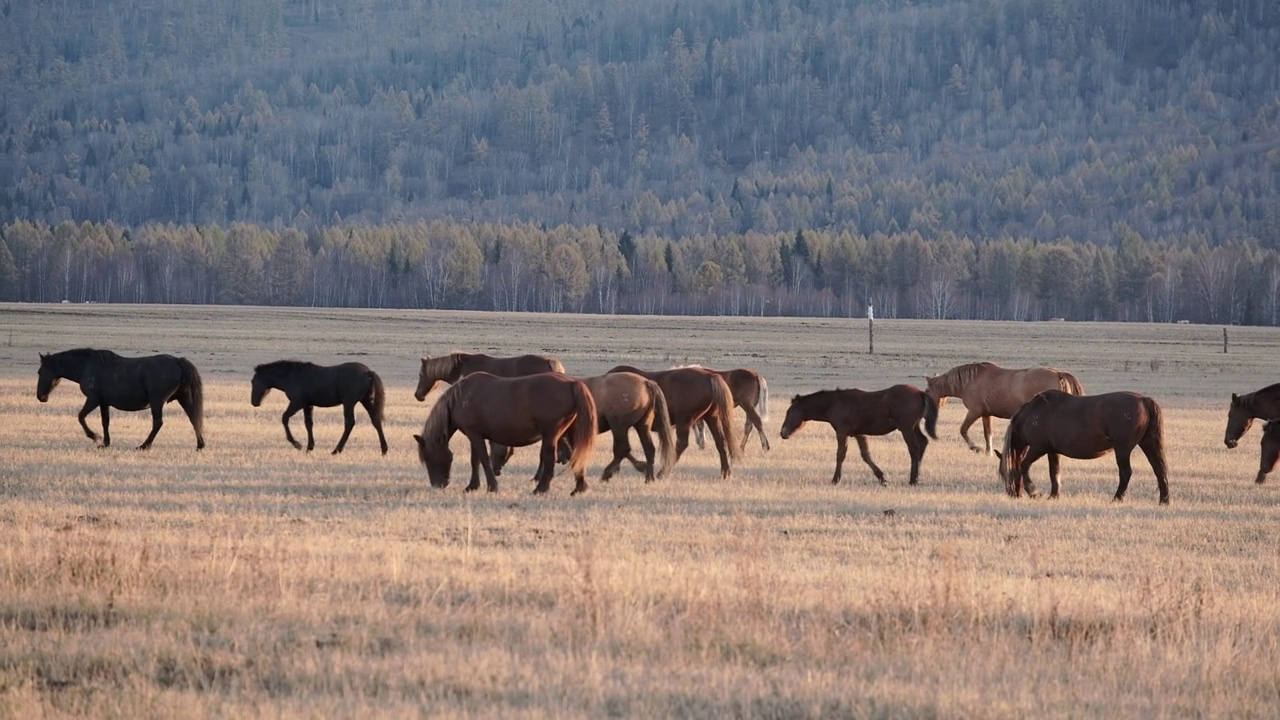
(694,394)
(751,393)
(989,390)
(514,412)
(624,401)
(449,368)
(1056,423)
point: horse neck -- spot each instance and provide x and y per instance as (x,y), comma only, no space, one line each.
(72,366)
(818,406)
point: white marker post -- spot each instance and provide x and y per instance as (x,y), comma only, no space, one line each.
(871,330)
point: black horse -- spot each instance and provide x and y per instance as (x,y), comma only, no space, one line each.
(110,381)
(308,385)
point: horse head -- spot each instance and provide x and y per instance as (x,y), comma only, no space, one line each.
(439,462)
(1238,422)
(47,379)
(934,389)
(432,372)
(260,390)
(794,419)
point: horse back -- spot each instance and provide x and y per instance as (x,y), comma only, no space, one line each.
(1086,426)
(513,411)
(132,383)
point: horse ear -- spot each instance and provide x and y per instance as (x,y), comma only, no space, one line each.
(419,439)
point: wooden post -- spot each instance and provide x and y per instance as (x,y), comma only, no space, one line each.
(871,330)
(1224,341)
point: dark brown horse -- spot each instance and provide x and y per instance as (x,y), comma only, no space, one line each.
(1264,404)
(989,390)
(751,393)
(694,394)
(859,413)
(110,381)
(450,368)
(1055,423)
(514,412)
(308,385)
(623,401)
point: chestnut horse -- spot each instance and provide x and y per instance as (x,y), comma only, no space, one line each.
(859,413)
(1264,404)
(751,393)
(989,390)
(449,368)
(1055,423)
(514,412)
(624,401)
(694,394)
(111,381)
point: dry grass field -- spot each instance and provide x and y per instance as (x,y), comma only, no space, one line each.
(251,579)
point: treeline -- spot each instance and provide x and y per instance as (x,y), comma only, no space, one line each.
(524,267)
(1036,119)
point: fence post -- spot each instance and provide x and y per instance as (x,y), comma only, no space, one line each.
(1224,341)
(871,330)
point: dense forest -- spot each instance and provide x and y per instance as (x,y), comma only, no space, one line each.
(965,158)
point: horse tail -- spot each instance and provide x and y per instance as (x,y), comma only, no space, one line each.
(1070,384)
(556,366)
(1008,469)
(195,391)
(762,398)
(379,398)
(584,428)
(930,415)
(662,425)
(1155,432)
(722,404)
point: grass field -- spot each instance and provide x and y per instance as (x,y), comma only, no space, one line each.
(250,579)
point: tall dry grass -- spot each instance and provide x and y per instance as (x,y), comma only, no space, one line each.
(251,579)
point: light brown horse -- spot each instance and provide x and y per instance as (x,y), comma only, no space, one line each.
(513,412)
(624,401)
(449,368)
(751,393)
(989,390)
(1055,423)
(859,413)
(694,394)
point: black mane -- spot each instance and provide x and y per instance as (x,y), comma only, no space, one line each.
(280,367)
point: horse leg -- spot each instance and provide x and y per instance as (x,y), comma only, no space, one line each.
(188,407)
(104,411)
(753,421)
(89,405)
(546,466)
(682,439)
(1054,485)
(1150,445)
(1267,464)
(697,434)
(650,453)
(986,431)
(284,420)
(969,420)
(377,422)
(917,441)
(157,419)
(842,447)
(717,433)
(307,420)
(348,422)
(621,448)
(866,458)
(1123,462)
(1025,471)
(480,460)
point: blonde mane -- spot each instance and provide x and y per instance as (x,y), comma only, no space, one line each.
(440,368)
(958,378)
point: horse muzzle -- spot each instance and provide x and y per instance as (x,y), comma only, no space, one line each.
(42,398)
(1231,444)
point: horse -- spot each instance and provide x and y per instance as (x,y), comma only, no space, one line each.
(859,413)
(1056,423)
(751,393)
(1264,404)
(989,390)
(514,412)
(695,393)
(308,385)
(623,401)
(111,381)
(450,368)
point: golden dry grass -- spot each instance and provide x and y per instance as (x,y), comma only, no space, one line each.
(254,580)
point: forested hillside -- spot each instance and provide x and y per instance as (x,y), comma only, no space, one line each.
(958,124)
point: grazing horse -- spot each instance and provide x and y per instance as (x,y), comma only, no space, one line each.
(623,401)
(450,368)
(110,381)
(751,393)
(989,390)
(694,394)
(514,412)
(308,385)
(859,413)
(1056,423)
(1264,404)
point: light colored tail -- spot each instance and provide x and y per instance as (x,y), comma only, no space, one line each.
(1070,384)
(762,398)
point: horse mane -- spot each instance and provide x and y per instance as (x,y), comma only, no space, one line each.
(440,367)
(435,431)
(280,367)
(1249,400)
(960,376)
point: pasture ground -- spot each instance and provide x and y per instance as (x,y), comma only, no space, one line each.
(251,579)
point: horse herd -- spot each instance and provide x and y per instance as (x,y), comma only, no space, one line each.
(499,404)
